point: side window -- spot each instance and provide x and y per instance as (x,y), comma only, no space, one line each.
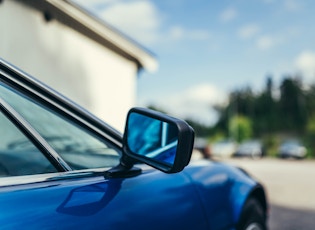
(77,146)
(18,155)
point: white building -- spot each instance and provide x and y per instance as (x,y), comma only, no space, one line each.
(75,53)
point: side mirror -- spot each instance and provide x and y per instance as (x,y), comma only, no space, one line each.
(158,140)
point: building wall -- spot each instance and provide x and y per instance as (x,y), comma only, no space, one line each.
(83,70)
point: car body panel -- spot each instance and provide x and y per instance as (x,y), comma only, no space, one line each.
(111,203)
(200,192)
(223,190)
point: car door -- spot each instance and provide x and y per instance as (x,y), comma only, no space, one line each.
(149,201)
(52,164)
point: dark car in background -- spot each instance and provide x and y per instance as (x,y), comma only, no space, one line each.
(63,168)
(250,148)
(292,148)
(223,148)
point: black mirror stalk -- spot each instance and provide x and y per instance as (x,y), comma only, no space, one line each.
(123,169)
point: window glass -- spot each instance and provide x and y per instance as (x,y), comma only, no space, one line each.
(18,155)
(78,147)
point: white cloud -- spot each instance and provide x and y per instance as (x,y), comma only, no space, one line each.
(268,1)
(179,33)
(195,103)
(139,19)
(205,93)
(228,15)
(266,42)
(292,5)
(248,31)
(305,63)
(142,21)
(176,32)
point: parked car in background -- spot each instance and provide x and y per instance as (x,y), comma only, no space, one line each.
(202,148)
(223,148)
(292,149)
(63,168)
(250,148)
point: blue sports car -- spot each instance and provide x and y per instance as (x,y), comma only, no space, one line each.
(63,168)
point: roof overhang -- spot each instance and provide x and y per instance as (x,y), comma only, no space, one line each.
(73,16)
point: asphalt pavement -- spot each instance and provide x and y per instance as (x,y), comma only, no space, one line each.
(290,186)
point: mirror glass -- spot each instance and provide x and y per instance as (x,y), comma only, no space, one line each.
(152,138)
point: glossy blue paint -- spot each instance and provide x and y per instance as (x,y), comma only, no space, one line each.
(205,195)
(223,190)
(193,199)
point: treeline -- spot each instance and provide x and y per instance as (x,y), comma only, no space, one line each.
(286,110)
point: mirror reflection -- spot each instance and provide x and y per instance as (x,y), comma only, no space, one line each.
(152,138)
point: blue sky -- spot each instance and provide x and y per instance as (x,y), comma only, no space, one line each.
(206,48)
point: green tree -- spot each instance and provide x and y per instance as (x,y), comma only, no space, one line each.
(240,128)
(265,117)
(310,101)
(292,105)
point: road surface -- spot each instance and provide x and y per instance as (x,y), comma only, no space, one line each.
(290,186)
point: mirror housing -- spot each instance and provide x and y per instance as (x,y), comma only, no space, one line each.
(156,139)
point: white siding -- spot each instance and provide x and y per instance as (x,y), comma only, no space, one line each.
(91,75)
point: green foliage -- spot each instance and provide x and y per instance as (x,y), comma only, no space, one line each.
(288,112)
(240,128)
(271,143)
(292,105)
(310,137)
(291,111)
